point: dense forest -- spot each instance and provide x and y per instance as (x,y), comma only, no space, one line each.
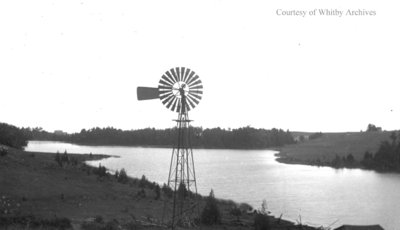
(12,136)
(241,138)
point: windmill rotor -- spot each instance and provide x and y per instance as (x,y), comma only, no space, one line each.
(179,89)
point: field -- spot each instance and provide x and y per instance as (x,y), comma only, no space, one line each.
(34,184)
(326,147)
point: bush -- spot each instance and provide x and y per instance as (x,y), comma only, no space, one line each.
(211,213)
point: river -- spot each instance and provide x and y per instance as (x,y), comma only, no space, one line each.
(315,195)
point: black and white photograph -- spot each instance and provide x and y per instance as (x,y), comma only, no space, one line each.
(213,114)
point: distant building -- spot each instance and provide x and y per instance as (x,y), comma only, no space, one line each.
(359,227)
(301,138)
(59,132)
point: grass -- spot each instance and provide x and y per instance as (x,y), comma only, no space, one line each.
(329,145)
(33,186)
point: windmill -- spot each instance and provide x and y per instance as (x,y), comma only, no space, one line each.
(180,90)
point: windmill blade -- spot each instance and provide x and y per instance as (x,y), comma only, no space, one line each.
(196,91)
(147,93)
(178,72)
(170,101)
(195,95)
(174,74)
(167,79)
(189,78)
(195,83)
(166,95)
(189,82)
(170,76)
(190,102)
(176,100)
(194,99)
(165,83)
(186,74)
(183,70)
(197,87)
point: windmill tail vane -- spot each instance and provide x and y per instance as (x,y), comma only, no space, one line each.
(180,90)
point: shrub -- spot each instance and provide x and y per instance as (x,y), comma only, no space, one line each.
(211,213)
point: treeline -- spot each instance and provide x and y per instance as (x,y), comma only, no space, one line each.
(241,138)
(387,158)
(12,136)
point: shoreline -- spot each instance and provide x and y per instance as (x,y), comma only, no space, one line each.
(284,159)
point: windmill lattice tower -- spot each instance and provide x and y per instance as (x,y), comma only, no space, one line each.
(180,90)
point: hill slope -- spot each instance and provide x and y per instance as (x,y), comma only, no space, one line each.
(329,145)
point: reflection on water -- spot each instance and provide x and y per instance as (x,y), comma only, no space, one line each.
(320,195)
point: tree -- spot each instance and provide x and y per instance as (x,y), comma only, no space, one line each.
(143,181)
(122,177)
(350,158)
(211,213)
(372,128)
(157,190)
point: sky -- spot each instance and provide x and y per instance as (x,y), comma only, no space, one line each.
(69,65)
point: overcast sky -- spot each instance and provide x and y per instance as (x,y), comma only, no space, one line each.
(76,64)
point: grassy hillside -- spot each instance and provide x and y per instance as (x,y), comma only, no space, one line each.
(329,145)
(35,185)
